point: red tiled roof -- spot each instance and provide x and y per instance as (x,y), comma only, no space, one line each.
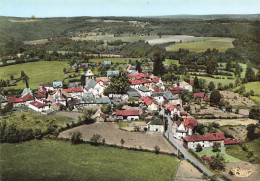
(73,89)
(103,116)
(46,85)
(190,123)
(172,108)
(183,113)
(27,97)
(177,122)
(231,142)
(42,90)
(157,90)
(127,112)
(143,81)
(206,99)
(59,104)
(207,159)
(199,95)
(207,137)
(55,91)
(40,95)
(155,80)
(148,100)
(132,68)
(177,90)
(191,82)
(143,75)
(38,104)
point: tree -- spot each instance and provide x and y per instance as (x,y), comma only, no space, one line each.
(156,149)
(211,66)
(87,116)
(238,70)
(211,86)
(64,70)
(198,148)
(200,129)
(218,162)
(251,131)
(138,66)
(254,113)
(158,67)
(220,86)
(96,139)
(106,109)
(228,66)
(215,97)
(11,77)
(119,84)
(250,74)
(76,138)
(196,83)
(258,76)
(215,147)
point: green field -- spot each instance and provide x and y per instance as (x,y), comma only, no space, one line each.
(222,44)
(31,120)
(38,72)
(171,62)
(255,86)
(208,152)
(216,81)
(114,60)
(59,160)
(237,151)
(112,38)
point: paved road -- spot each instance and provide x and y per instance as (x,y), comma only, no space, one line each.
(187,155)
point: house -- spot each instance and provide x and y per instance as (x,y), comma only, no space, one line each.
(181,130)
(3,101)
(155,125)
(206,99)
(73,84)
(58,96)
(143,91)
(158,97)
(22,101)
(48,87)
(57,84)
(177,90)
(207,160)
(135,84)
(39,106)
(172,99)
(199,95)
(133,72)
(127,115)
(88,75)
(143,75)
(106,63)
(110,73)
(174,110)
(89,87)
(41,93)
(99,116)
(74,92)
(101,82)
(185,86)
(87,98)
(25,91)
(99,88)
(231,142)
(101,101)
(132,93)
(206,141)
(151,104)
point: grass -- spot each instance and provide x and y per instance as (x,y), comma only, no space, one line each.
(237,151)
(208,152)
(222,44)
(172,62)
(114,60)
(216,81)
(38,72)
(255,87)
(125,39)
(35,121)
(59,160)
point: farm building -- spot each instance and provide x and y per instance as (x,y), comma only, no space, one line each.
(155,125)
(38,106)
(206,141)
(181,130)
(127,115)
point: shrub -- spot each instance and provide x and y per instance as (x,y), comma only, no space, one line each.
(76,138)
(96,139)
(198,148)
(156,149)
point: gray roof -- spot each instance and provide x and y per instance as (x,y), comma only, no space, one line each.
(133,72)
(156,121)
(157,94)
(170,96)
(73,84)
(144,89)
(90,84)
(132,93)
(116,101)
(2,99)
(112,72)
(103,100)
(87,98)
(26,90)
(57,84)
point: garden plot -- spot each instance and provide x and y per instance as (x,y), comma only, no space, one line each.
(113,135)
(236,99)
(237,132)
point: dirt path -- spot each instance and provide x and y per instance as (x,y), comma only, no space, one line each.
(113,135)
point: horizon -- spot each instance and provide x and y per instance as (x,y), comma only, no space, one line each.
(126,8)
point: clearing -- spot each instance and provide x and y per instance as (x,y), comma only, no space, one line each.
(59,160)
(222,44)
(38,72)
(113,135)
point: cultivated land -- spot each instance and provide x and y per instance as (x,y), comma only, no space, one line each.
(38,72)
(255,86)
(59,160)
(223,122)
(222,44)
(113,135)
(169,39)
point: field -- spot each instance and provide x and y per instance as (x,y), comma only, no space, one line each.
(113,135)
(208,152)
(38,72)
(114,60)
(234,122)
(222,44)
(237,151)
(255,87)
(30,120)
(59,160)
(171,62)
(216,81)
(169,39)
(106,38)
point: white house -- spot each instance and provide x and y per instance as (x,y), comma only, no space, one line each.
(155,125)
(205,141)
(89,87)
(174,110)
(74,92)
(185,86)
(38,106)
(143,91)
(158,97)
(181,130)
(127,115)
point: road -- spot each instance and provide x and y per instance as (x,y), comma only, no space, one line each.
(168,134)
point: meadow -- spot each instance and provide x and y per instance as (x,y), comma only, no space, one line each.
(112,38)
(201,45)
(255,87)
(113,60)
(59,160)
(38,72)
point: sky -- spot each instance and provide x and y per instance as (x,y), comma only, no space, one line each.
(68,8)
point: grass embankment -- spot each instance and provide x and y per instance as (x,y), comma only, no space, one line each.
(208,152)
(38,73)
(59,160)
(222,44)
(31,120)
(238,152)
(255,86)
